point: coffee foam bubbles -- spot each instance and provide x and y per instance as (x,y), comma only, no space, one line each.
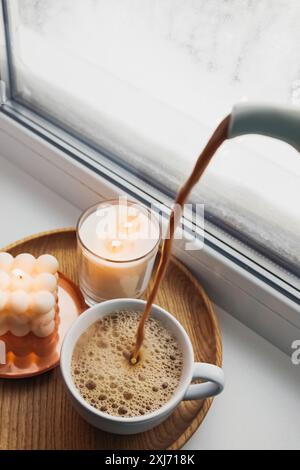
(105,378)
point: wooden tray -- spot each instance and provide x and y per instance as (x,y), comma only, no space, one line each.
(35,413)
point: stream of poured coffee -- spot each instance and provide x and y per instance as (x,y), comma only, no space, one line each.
(216,140)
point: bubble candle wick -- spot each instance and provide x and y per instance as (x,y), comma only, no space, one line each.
(18,273)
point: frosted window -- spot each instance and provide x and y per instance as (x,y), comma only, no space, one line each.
(147,81)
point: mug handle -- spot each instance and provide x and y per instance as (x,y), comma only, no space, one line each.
(214,382)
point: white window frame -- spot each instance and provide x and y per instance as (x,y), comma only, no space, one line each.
(84,177)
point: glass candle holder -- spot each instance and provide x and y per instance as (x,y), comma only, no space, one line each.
(117,245)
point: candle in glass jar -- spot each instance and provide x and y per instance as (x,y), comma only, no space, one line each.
(117,244)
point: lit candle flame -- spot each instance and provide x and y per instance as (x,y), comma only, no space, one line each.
(116,244)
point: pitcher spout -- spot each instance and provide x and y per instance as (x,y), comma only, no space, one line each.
(279,122)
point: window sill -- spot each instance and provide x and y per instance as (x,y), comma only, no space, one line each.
(246,296)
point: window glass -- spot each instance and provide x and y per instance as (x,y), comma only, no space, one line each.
(146,81)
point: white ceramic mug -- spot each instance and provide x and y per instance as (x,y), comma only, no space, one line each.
(212,375)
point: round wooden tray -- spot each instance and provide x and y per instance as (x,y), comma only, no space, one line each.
(36,413)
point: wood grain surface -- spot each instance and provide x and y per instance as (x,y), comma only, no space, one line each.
(36,413)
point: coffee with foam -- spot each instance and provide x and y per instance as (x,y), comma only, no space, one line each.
(106,379)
